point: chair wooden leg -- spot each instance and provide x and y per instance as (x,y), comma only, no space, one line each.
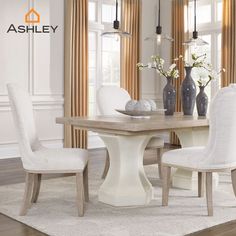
(80,193)
(159,161)
(107,165)
(36,188)
(233,178)
(165,185)
(29,180)
(201,177)
(86,186)
(209,193)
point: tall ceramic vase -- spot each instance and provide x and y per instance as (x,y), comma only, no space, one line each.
(202,102)
(169,97)
(188,93)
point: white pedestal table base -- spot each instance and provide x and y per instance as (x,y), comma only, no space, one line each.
(126,183)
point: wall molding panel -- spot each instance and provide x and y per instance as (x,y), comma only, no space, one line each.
(11,150)
(36,63)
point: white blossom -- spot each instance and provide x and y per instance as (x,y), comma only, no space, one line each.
(172,66)
(162,61)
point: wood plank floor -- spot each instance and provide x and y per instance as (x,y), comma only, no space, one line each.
(11,172)
(9,227)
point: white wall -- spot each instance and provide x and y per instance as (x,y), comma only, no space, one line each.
(35,62)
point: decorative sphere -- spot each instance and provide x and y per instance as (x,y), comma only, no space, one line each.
(153,104)
(130,105)
(142,105)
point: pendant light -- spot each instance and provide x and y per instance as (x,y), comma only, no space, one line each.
(158,35)
(195,40)
(116,28)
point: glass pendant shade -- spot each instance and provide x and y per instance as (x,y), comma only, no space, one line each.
(158,36)
(195,40)
(116,31)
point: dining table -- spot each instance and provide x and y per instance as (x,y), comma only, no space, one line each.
(126,138)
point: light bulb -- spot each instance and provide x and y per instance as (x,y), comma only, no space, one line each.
(158,39)
(117,37)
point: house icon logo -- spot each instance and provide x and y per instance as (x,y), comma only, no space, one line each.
(32,20)
(32,17)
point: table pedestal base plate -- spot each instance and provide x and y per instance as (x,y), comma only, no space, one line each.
(126,183)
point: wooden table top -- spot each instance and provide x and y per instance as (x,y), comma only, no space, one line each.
(127,125)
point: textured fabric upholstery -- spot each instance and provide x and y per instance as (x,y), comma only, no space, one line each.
(110,98)
(220,151)
(34,156)
(69,158)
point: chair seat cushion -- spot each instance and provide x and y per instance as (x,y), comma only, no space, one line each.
(64,159)
(194,158)
(155,142)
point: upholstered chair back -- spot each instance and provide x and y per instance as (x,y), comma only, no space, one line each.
(23,116)
(110,98)
(221,147)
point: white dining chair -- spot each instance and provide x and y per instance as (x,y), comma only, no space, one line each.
(38,160)
(110,98)
(219,154)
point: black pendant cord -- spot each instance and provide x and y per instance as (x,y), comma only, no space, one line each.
(116,10)
(195,41)
(159,28)
(195,15)
(116,23)
(195,33)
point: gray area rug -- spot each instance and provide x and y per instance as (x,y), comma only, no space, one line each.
(56,212)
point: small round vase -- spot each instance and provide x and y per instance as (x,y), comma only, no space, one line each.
(169,97)
(188,92)
(202,102)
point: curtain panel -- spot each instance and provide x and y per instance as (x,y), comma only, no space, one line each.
(130,47)
(179,34)
(76,69)
(229,42)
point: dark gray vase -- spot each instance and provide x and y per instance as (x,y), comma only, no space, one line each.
(169,97)
(188,93)
(202,102)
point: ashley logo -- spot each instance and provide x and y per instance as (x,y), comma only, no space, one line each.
(32,17)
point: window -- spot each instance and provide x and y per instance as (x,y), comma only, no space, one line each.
(104,52)
(209,18)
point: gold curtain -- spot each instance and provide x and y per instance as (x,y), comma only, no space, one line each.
(229,42)
(76,69)
(179,35)
(130,47)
